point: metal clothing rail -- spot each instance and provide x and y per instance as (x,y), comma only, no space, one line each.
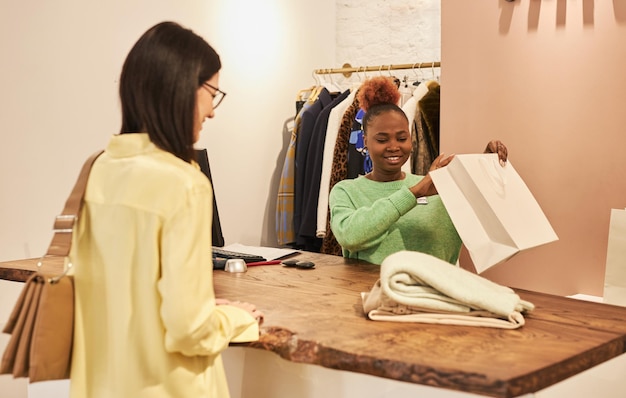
(348,69)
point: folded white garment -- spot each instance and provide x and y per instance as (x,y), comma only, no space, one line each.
(417,287)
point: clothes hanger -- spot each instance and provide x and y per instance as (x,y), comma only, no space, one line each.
(316,91)
(434,81)
(357,84)
(435,77)
(422,88)
(418,79)
(300,94)
(405,90)
(331,87)
(395,79)
(358,75)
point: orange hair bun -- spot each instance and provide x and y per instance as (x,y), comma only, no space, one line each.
(378,90)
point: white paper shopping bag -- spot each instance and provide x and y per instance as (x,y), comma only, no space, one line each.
(615,274)
(491,207)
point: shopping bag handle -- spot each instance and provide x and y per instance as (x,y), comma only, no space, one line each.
(495,172)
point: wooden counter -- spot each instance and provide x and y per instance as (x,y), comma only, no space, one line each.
(315,317)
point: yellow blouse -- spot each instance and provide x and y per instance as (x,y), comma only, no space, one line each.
(146,320)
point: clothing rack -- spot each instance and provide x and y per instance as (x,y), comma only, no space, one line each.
(348,69)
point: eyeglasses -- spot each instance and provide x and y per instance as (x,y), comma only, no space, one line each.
(218,95)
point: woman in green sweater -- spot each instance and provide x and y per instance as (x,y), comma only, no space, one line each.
(387,210)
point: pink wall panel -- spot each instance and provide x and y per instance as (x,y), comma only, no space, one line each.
(547,78)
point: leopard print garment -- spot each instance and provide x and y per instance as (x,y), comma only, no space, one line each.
(339,172)
(426,131)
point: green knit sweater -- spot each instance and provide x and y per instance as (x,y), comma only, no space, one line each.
(372,220)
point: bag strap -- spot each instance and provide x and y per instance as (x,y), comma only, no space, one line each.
(64,222)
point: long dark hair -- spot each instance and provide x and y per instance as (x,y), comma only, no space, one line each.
(158,86)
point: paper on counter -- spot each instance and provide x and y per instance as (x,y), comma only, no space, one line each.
(270,253)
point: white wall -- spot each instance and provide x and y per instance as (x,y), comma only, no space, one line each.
(268,51)
(383,32)
(58,104)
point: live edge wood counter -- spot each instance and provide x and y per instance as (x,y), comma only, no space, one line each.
(315,317)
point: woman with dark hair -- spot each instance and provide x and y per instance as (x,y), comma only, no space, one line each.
(388,210)
(147,320)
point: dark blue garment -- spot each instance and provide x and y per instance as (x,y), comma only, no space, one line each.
(313,175)
(307,124)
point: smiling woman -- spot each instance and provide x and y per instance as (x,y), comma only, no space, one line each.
(378,214)
(389,210)
(208,97)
